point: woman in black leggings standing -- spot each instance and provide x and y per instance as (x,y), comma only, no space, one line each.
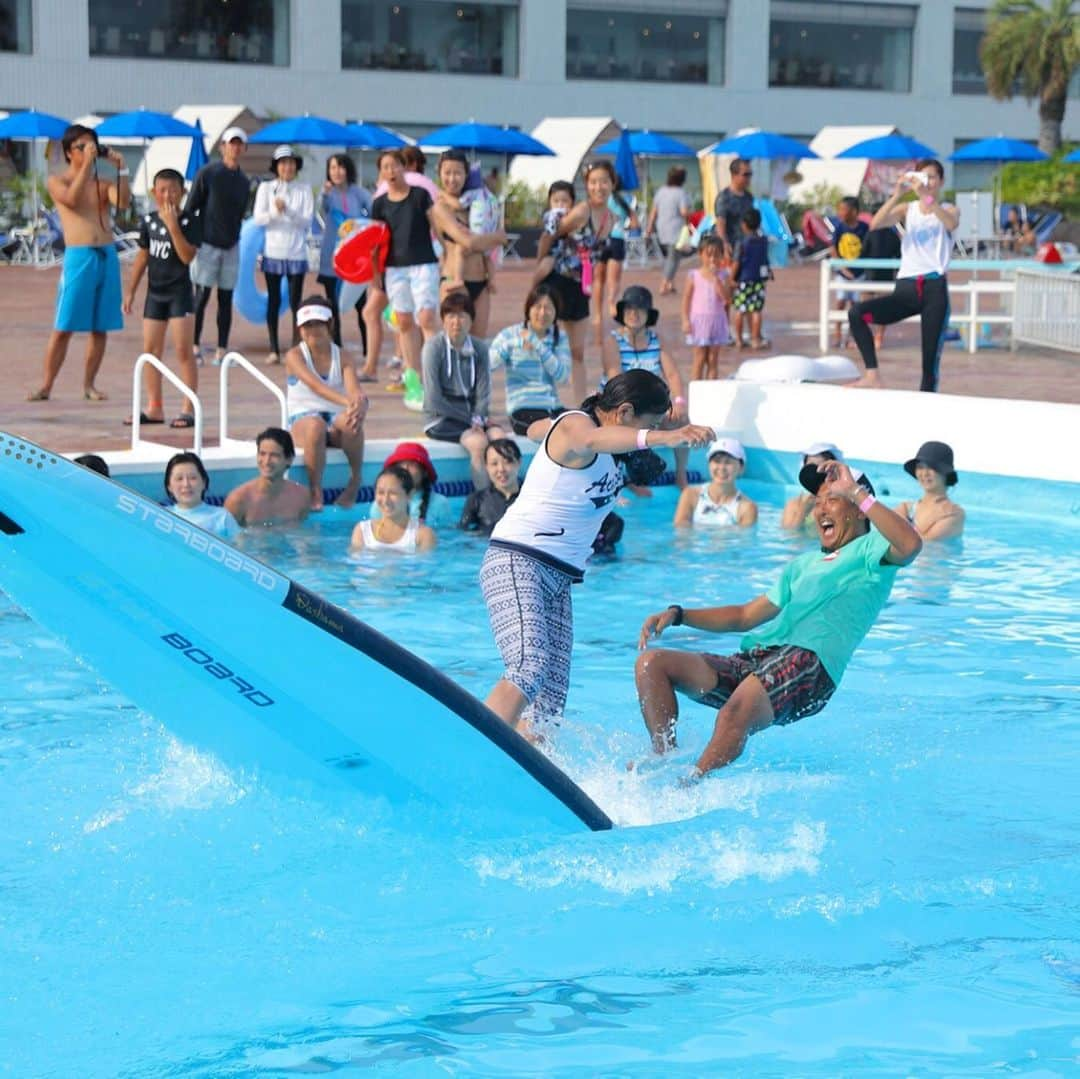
(921,284)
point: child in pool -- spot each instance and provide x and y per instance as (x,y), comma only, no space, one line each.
(704,309)
(560,202)
(935,516)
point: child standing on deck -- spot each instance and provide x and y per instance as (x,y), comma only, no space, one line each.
(751,272)
(704,309)
(168,241)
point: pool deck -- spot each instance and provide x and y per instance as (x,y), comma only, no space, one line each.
(68,424)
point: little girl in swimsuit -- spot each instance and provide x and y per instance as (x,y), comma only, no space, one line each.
(395,530)
(718,504)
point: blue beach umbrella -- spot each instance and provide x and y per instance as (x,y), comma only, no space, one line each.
(372,137)
(624,163)
(895,147)
(486,139)
(197,156)
(1074,157)
(761,144)
(649,144)
(33,125)
(997,149)
(144,124)
(309,130)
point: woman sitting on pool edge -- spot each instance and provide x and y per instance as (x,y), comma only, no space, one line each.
(395,529)
(457,385)
(718,503)
(935,516)
(186,482)
(426,504)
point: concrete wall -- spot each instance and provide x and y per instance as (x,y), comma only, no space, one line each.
(61,77)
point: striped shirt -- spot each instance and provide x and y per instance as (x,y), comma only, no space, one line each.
(534,366)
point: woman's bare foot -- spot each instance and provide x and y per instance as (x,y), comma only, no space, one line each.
(869,381)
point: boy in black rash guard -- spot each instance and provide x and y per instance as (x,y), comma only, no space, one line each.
(168,240)
(219,195)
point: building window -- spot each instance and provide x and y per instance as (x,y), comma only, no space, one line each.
(15,26)
(220,31)
(430,35)
(841,45)
(968,30)
(610,39)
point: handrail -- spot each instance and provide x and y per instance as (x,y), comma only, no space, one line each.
(236,359)
(136,400)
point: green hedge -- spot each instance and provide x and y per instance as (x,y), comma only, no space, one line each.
(1053,183)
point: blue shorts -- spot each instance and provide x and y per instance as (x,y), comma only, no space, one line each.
(88,299)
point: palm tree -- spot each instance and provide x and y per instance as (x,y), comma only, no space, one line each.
(1033,48)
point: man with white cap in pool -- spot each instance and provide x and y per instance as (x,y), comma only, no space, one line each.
(811,621)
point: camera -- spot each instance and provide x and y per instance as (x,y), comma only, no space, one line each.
(917,177)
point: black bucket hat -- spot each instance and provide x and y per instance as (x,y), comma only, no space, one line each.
(938,455)
(812,479)
(640,297)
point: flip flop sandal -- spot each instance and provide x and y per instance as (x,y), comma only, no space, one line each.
(37,395)
(185,419)
(97,395)
(143,419)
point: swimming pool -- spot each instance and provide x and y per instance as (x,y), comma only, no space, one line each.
(890,886)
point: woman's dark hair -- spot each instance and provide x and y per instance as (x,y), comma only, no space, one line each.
(453,155)
(676,176)
(562,185)
(541,292)
(459,302)
(506,448)
(401,474)
(346,163)
(930,162)
(604,164)
(645,392)
(186,459)
(397,155)
(93,462)
(412,157)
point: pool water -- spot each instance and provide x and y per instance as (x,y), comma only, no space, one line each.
(889,887)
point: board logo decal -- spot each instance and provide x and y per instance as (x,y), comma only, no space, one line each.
(202,658)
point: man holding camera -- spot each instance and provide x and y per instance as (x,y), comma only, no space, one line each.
(88,298)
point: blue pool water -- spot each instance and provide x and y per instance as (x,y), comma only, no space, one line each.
(890,887)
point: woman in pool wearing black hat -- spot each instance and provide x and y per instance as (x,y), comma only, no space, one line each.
(935,516)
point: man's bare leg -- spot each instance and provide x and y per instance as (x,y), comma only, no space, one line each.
(747,711)
(95,353)
(55,354)
(659,672)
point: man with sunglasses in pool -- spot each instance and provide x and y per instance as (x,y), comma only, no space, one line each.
(799,636)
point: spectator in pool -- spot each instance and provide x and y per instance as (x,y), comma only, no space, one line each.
(186,483)
(457,385)
(426,504)
(395,529)
(270,498)
(485,507)
(935,516)
(799,636)
(796,513)
(536,355)
(325,403)
(93,462)
(718,503)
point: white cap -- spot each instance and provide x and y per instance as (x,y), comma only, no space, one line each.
(314,312)
(822,447)
(285,151)
(231,133)
(731,446)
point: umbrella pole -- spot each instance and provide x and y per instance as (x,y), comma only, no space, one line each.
(34,203)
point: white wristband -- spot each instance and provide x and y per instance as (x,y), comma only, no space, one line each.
(866,503)
(123,172)
(643,438)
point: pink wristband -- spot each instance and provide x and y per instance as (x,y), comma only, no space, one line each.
(866,503)
(643,438)
(680,400)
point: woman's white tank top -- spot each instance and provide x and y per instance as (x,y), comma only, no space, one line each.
(302,398)
(927,244)
(406,545)
(716,514)
(559,510)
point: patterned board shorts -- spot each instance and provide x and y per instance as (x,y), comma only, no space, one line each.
(749,296)
(796,682)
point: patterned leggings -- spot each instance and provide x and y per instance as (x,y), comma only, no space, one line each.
(532,620)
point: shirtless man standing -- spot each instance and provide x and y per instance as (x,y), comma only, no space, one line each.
(88,299)
(270,499)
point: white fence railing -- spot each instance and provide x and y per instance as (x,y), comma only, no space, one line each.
(136,401)
(1047,309)
(972,317)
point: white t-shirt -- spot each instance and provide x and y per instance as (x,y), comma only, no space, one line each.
(926,245)
(214,519)
(560,509)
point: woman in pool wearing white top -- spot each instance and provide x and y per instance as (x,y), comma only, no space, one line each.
(395,529)
(718,503)
(921,285)
(186,481)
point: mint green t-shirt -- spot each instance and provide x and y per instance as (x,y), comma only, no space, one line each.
(828,602)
